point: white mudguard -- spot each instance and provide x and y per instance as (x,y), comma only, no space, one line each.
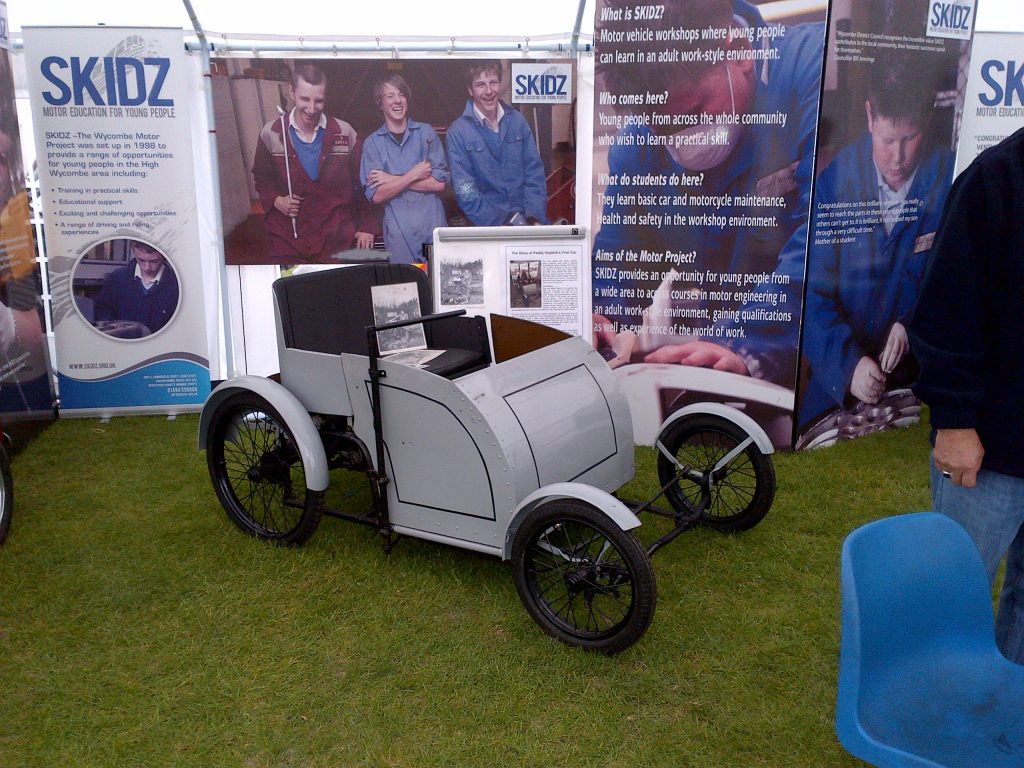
(600,500)
(740,419)
(295,416)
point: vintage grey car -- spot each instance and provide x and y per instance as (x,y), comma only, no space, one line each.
(512,440)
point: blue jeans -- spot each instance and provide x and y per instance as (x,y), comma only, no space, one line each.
(993,514)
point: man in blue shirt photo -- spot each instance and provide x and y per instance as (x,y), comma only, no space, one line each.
(403,168)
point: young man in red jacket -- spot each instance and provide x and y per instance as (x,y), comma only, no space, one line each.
(326,211)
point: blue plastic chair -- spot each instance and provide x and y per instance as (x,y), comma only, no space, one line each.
(921,682)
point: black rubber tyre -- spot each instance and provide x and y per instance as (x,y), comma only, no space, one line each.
(6,494)
(582,578)
(258,473)
(740,494)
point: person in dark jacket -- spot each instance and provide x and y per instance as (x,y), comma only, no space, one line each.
(966,333)
(325,212)
(144,291)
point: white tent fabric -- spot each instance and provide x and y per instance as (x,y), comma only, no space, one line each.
(400,18)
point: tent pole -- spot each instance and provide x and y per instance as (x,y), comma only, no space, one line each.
(576,28)
(218,220)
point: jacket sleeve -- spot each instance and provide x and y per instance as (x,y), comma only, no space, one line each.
(627,155)
(365,217)
(829,344)
(770,348)
(435,154)
(947,327)
(106,306)
(264,173)
(370,161)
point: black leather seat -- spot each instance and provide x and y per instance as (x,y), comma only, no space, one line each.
(329,312)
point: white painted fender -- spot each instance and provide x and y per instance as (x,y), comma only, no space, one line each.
(727,412)
(600,500)
(295,417)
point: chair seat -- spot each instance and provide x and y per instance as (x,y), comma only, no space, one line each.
(958,708)
(454,362)
(921,681)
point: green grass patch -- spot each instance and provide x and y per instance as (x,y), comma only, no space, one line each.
(138,627)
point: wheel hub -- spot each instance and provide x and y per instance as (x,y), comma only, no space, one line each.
(270,468)
(592,579)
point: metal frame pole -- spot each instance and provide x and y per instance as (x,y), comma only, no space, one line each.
(218,220)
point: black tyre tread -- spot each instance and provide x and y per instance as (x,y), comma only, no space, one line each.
(633,555)
(763,469)
(236,511)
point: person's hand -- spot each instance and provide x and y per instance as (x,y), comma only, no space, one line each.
(896,346)
(288,205)
(377,177)
(958,453)
(421,170)
(868,382)
(364,240)
(701,354)
(622,344)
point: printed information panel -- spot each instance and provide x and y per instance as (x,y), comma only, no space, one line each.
(115,164)
(704,126)
(889,116)
(994,108)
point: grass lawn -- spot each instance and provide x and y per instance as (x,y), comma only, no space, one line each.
(138,627)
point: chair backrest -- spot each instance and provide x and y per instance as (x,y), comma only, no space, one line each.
(329,311)
(909,581)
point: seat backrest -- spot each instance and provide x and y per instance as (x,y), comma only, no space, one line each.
(329,311)
(909,581)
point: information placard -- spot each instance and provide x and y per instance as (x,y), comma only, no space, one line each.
(115,165)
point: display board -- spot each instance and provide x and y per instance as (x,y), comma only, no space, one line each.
(704,130)
(314,162)
(995,94)
(530,273)
(113,137)
(26,388)
(889,127)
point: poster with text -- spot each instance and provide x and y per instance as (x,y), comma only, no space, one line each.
(529,273)
(889,124)
(994,106)
(26,388)
(116,172)
(322,159)
(705,118)
(545,284)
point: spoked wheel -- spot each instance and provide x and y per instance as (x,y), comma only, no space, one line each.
(734,495)
(257,471)
(582,578)
(6,494)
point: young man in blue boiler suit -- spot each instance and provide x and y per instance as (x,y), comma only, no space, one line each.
(877,207)
(497,171)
